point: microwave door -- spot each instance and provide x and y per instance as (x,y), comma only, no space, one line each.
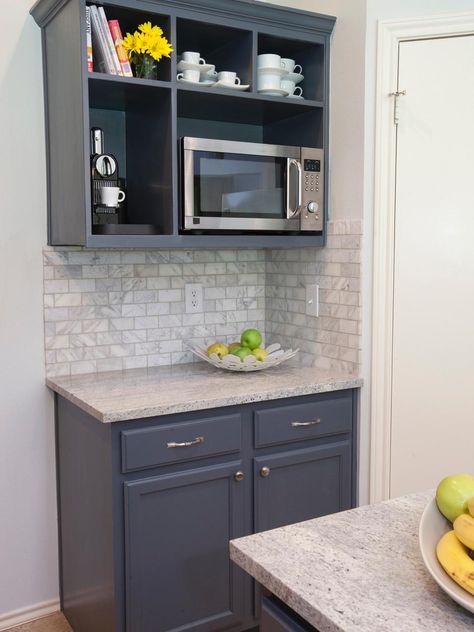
(231,191)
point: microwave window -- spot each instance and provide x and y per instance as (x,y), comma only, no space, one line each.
(235,185)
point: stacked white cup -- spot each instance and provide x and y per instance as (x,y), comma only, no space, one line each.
(277,76)
(270,70)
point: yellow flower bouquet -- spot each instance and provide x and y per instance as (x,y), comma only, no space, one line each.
(145,48)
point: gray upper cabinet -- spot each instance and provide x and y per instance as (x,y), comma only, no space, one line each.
(143,120)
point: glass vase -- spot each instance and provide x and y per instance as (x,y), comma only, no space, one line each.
(146,67)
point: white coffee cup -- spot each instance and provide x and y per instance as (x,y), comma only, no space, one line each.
(209,74)
(189,75)
(226,76)
(111,196)
(268,81)
(269,60)
(291,87)
(290,66)
(192,57)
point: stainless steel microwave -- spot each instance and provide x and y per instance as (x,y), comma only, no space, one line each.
(251,187)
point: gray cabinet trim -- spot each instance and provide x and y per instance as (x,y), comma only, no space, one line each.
(44,10)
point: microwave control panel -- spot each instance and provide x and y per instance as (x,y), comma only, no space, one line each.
(312,189)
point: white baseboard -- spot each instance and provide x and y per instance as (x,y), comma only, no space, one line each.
(24,615)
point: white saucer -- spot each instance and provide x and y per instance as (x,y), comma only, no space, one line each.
(294,76)
(275,71)
(204,84)
(207,83)
(187,65)
(273,92)
(295,96)
(230,86)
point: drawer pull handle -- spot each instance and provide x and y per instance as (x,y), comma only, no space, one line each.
(239,476)
(265,471)
(301,424)
(185,444)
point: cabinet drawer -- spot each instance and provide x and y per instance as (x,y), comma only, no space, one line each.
(276,617)
(178,442)
(330,414)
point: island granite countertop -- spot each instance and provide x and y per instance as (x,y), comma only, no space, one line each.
(140,393)
(355,571)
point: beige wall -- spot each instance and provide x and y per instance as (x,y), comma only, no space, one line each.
(346,141)
(28,535)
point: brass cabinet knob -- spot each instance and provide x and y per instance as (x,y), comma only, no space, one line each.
(239,476)
(265,471)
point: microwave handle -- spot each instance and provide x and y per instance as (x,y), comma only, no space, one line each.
(290,213)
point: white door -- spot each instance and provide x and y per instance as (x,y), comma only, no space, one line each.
(432,433)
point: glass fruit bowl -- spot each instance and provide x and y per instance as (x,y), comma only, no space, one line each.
(276,355)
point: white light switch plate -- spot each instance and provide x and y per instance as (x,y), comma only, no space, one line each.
(193,298)
(312,300)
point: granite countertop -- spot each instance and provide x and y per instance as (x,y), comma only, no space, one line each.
(139,393)
(355,571)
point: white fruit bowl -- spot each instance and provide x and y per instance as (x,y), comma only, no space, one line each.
(432,526)
(275,356)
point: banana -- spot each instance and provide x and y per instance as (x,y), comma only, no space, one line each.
(464,529)
(454,558)
(470,506)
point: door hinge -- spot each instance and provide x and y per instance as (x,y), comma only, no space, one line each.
(395,95)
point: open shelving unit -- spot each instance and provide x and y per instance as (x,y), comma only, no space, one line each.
(143,119)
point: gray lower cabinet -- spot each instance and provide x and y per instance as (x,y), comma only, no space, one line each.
(147,507)
(177,530)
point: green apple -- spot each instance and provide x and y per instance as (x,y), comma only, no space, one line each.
(453,494)
(233,345)
(251,338)
(241,352)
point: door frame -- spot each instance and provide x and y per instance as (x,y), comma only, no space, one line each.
(390,34)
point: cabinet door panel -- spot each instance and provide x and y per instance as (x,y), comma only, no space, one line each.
(178,572)
(302,484)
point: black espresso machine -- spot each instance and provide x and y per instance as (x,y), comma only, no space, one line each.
(104,173)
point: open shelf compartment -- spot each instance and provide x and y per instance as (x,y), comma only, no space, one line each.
(224,116)
(129,19)
(136,121)
(226,47)
(309,55)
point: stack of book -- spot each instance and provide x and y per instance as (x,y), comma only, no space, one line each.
(105,51)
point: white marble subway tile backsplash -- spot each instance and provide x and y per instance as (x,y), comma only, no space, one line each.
(333,340)
(117,309)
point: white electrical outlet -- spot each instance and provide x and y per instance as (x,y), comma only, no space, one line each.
(193,298)
(312,300)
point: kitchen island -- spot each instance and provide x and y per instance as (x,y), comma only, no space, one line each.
(355,571)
